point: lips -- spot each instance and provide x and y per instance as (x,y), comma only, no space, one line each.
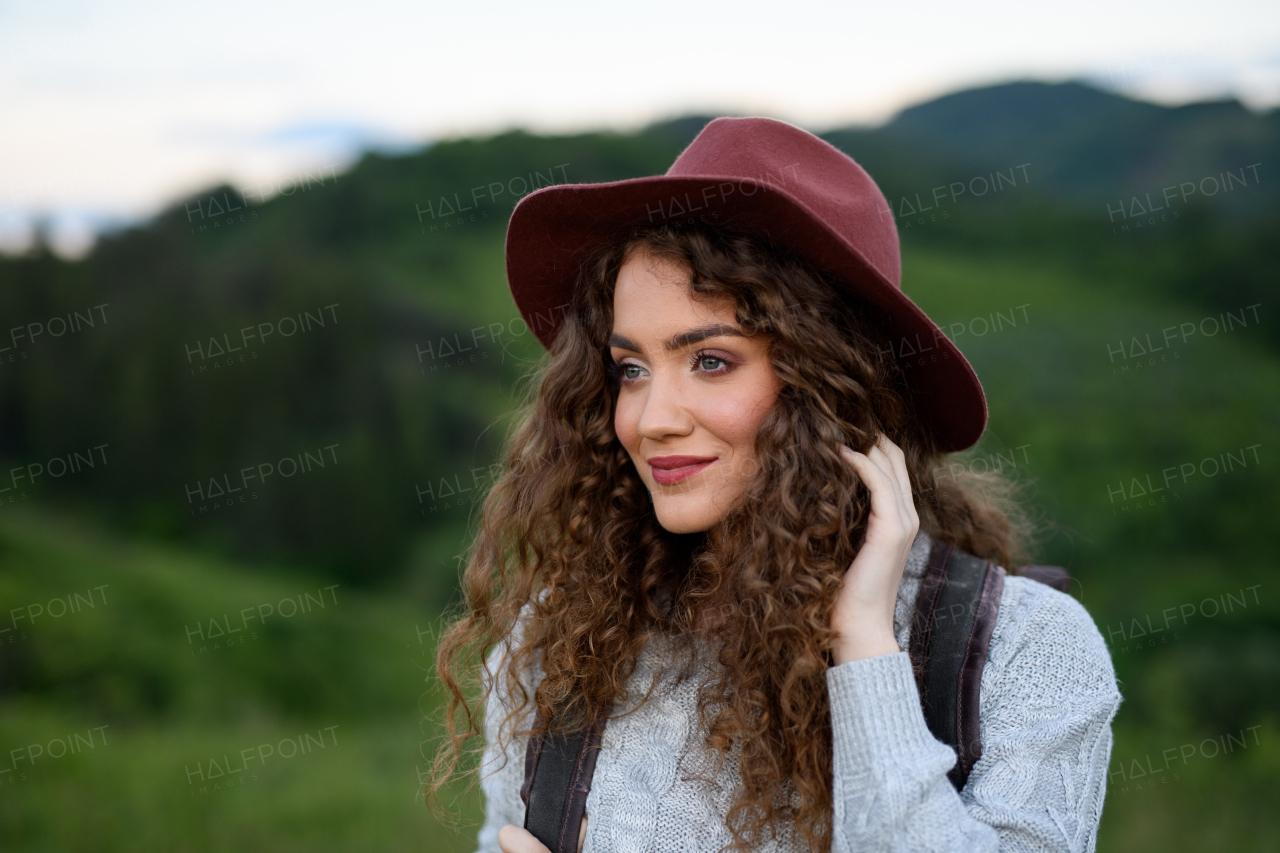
(668,470)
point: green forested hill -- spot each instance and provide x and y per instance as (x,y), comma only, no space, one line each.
(367,312)
(279,397)
(352,312)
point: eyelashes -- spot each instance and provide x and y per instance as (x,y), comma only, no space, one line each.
(699,357)
(617,371)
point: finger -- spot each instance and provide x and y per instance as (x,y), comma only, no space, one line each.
(896,458)
(899,461)
(884,457)
(878,469)
(514,839)
(880,483)
(902,508)
(901,495)
(878,460)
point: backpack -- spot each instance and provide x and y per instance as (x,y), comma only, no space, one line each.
(955,614)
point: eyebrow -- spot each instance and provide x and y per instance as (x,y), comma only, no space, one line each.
(681,340)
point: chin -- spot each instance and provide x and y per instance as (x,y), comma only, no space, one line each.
(684,524)
(675,519)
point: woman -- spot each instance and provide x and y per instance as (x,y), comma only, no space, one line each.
(717,512)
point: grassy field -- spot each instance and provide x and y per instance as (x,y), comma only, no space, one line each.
(304,732)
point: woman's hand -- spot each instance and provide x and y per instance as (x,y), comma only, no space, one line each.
(514,839)
(863,613)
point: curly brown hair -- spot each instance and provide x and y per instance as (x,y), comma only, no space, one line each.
(568,533)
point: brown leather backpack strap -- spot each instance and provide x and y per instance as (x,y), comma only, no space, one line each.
(935,577)
(955,616)
(532,751)
(557,778)
(969,748)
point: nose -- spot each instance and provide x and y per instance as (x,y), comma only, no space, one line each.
(666,408)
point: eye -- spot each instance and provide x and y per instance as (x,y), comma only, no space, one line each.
(711,364)
(625,373)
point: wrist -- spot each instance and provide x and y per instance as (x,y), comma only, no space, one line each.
(851,647)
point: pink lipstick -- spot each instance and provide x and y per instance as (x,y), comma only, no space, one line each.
(668,470)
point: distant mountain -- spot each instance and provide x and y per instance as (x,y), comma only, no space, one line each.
(1081,146)
(1091,147)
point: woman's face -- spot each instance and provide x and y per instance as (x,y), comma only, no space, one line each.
(694,388)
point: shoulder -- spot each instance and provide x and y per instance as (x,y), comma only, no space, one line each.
(1048,698)
(1046,649)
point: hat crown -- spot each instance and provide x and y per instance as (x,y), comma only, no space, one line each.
(815,173)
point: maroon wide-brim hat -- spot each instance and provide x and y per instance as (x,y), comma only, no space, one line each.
(775,181)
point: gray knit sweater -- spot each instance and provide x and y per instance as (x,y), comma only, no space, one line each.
(1048,697)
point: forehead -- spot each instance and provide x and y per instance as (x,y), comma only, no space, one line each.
(654,291)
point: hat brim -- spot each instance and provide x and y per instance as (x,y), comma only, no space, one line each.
(553,228)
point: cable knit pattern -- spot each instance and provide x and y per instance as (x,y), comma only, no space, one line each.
(1048,697)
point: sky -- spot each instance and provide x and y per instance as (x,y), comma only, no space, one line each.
(108,111)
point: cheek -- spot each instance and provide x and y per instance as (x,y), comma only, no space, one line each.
(626,421)
(736,419)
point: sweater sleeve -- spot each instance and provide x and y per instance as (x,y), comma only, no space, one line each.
(1048,697)
(501,771)
(502,764)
